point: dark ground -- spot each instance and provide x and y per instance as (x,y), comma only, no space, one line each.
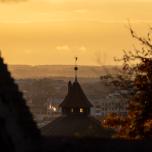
(55,144)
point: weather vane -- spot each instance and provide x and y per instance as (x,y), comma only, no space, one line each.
(76,68)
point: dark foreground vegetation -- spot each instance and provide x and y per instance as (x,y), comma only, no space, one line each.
(55,144)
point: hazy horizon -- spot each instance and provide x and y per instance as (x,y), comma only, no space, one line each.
(61,65)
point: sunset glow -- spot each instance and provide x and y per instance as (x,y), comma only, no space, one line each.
(55,31)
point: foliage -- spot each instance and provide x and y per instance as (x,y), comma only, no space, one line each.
(138,64)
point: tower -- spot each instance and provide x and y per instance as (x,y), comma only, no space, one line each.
(75,120)
(75,102)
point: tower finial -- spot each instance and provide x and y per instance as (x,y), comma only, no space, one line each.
(76,68)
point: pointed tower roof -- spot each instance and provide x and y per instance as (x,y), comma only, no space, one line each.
(75,98)
(13,109)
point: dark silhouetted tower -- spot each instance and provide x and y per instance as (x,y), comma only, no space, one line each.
(75,120)
(76,102)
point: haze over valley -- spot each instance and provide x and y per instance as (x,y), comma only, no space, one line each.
(46,71)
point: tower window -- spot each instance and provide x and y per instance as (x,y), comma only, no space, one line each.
(81,110)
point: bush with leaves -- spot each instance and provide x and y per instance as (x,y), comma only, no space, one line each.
(138,63)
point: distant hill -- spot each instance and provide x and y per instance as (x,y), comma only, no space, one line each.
(42,71)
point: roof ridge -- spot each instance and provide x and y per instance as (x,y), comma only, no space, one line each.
(76,97)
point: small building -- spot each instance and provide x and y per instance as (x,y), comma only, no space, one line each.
(111,104)
(76,102)
(76,120)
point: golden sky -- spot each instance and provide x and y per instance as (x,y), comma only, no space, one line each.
(54,31)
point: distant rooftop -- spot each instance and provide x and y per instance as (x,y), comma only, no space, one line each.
(75,97)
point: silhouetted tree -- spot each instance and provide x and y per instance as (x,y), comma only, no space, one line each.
(18,131)
(138,63)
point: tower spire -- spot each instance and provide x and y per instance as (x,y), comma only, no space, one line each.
(76,68)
